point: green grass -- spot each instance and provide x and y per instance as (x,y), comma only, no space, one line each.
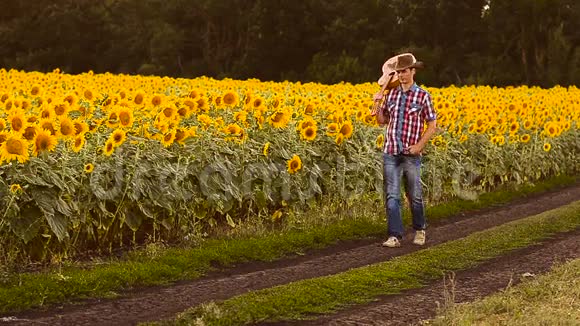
(300,299)
(156,266)
(550,299)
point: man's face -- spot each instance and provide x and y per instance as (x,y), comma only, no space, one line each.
(406,75)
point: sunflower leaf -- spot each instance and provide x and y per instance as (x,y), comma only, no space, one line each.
(132,218)
(58,224)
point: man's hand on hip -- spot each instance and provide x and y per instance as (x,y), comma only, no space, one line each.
(413,149)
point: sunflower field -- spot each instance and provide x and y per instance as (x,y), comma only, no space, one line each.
(95,160)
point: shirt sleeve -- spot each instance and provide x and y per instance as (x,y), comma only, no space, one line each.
(428,111)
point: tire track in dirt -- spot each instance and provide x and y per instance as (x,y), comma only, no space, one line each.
(158,303)
(413,306)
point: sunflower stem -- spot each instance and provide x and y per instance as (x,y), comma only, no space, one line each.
(127,185)
(3,221)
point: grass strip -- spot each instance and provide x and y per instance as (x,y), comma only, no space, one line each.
(23,291)
(549,299)
(300,299)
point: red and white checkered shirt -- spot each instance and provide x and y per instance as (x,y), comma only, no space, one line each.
(407,112)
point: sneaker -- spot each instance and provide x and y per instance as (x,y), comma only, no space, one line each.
(419,237)
(392,242)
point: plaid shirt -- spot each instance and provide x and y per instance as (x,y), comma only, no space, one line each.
(407,113)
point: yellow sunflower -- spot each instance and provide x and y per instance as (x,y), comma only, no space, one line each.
(190,104)
(346,129)
(157,100)
(498,140)
(78,143)
(552,129)
(8,104)
(231,99)
(547,147)
(109,148)
(46,113)
(2,124)
(308,122)
(61,108)
(168,138)
(218,102)
(309,133)
(126,118)
(339,139)
(241,116)
(192,131)
(266,148)
(277,102)
(248,99)
(31,119)
(14,148)
(514,127)
(232,129)
(89,167)
(257,102)
(437,141)
(279,119)
(17,121)
(36,90)
(380,141)
(525,138)
(43,141)
(15,188)
(3,136)
(183,112)
(118,137)
(139,97)
(194,94)
(180,136)
(294,164)
(332,129)
(66,127)
(30,132)
(88,94)
(528,124)
(472,129)
(202,104)
(205,120)
(71,99)
(81,127)
(113,119)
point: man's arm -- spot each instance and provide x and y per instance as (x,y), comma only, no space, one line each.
(382,116)
(430,116)
(418,147)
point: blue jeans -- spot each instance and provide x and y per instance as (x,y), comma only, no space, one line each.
(409,167)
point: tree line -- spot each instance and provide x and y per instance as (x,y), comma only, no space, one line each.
(492,42)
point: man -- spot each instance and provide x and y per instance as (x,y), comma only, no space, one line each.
(403,111)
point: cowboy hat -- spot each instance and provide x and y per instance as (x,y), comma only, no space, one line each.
(389,71)
(407,60)
(398,62)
